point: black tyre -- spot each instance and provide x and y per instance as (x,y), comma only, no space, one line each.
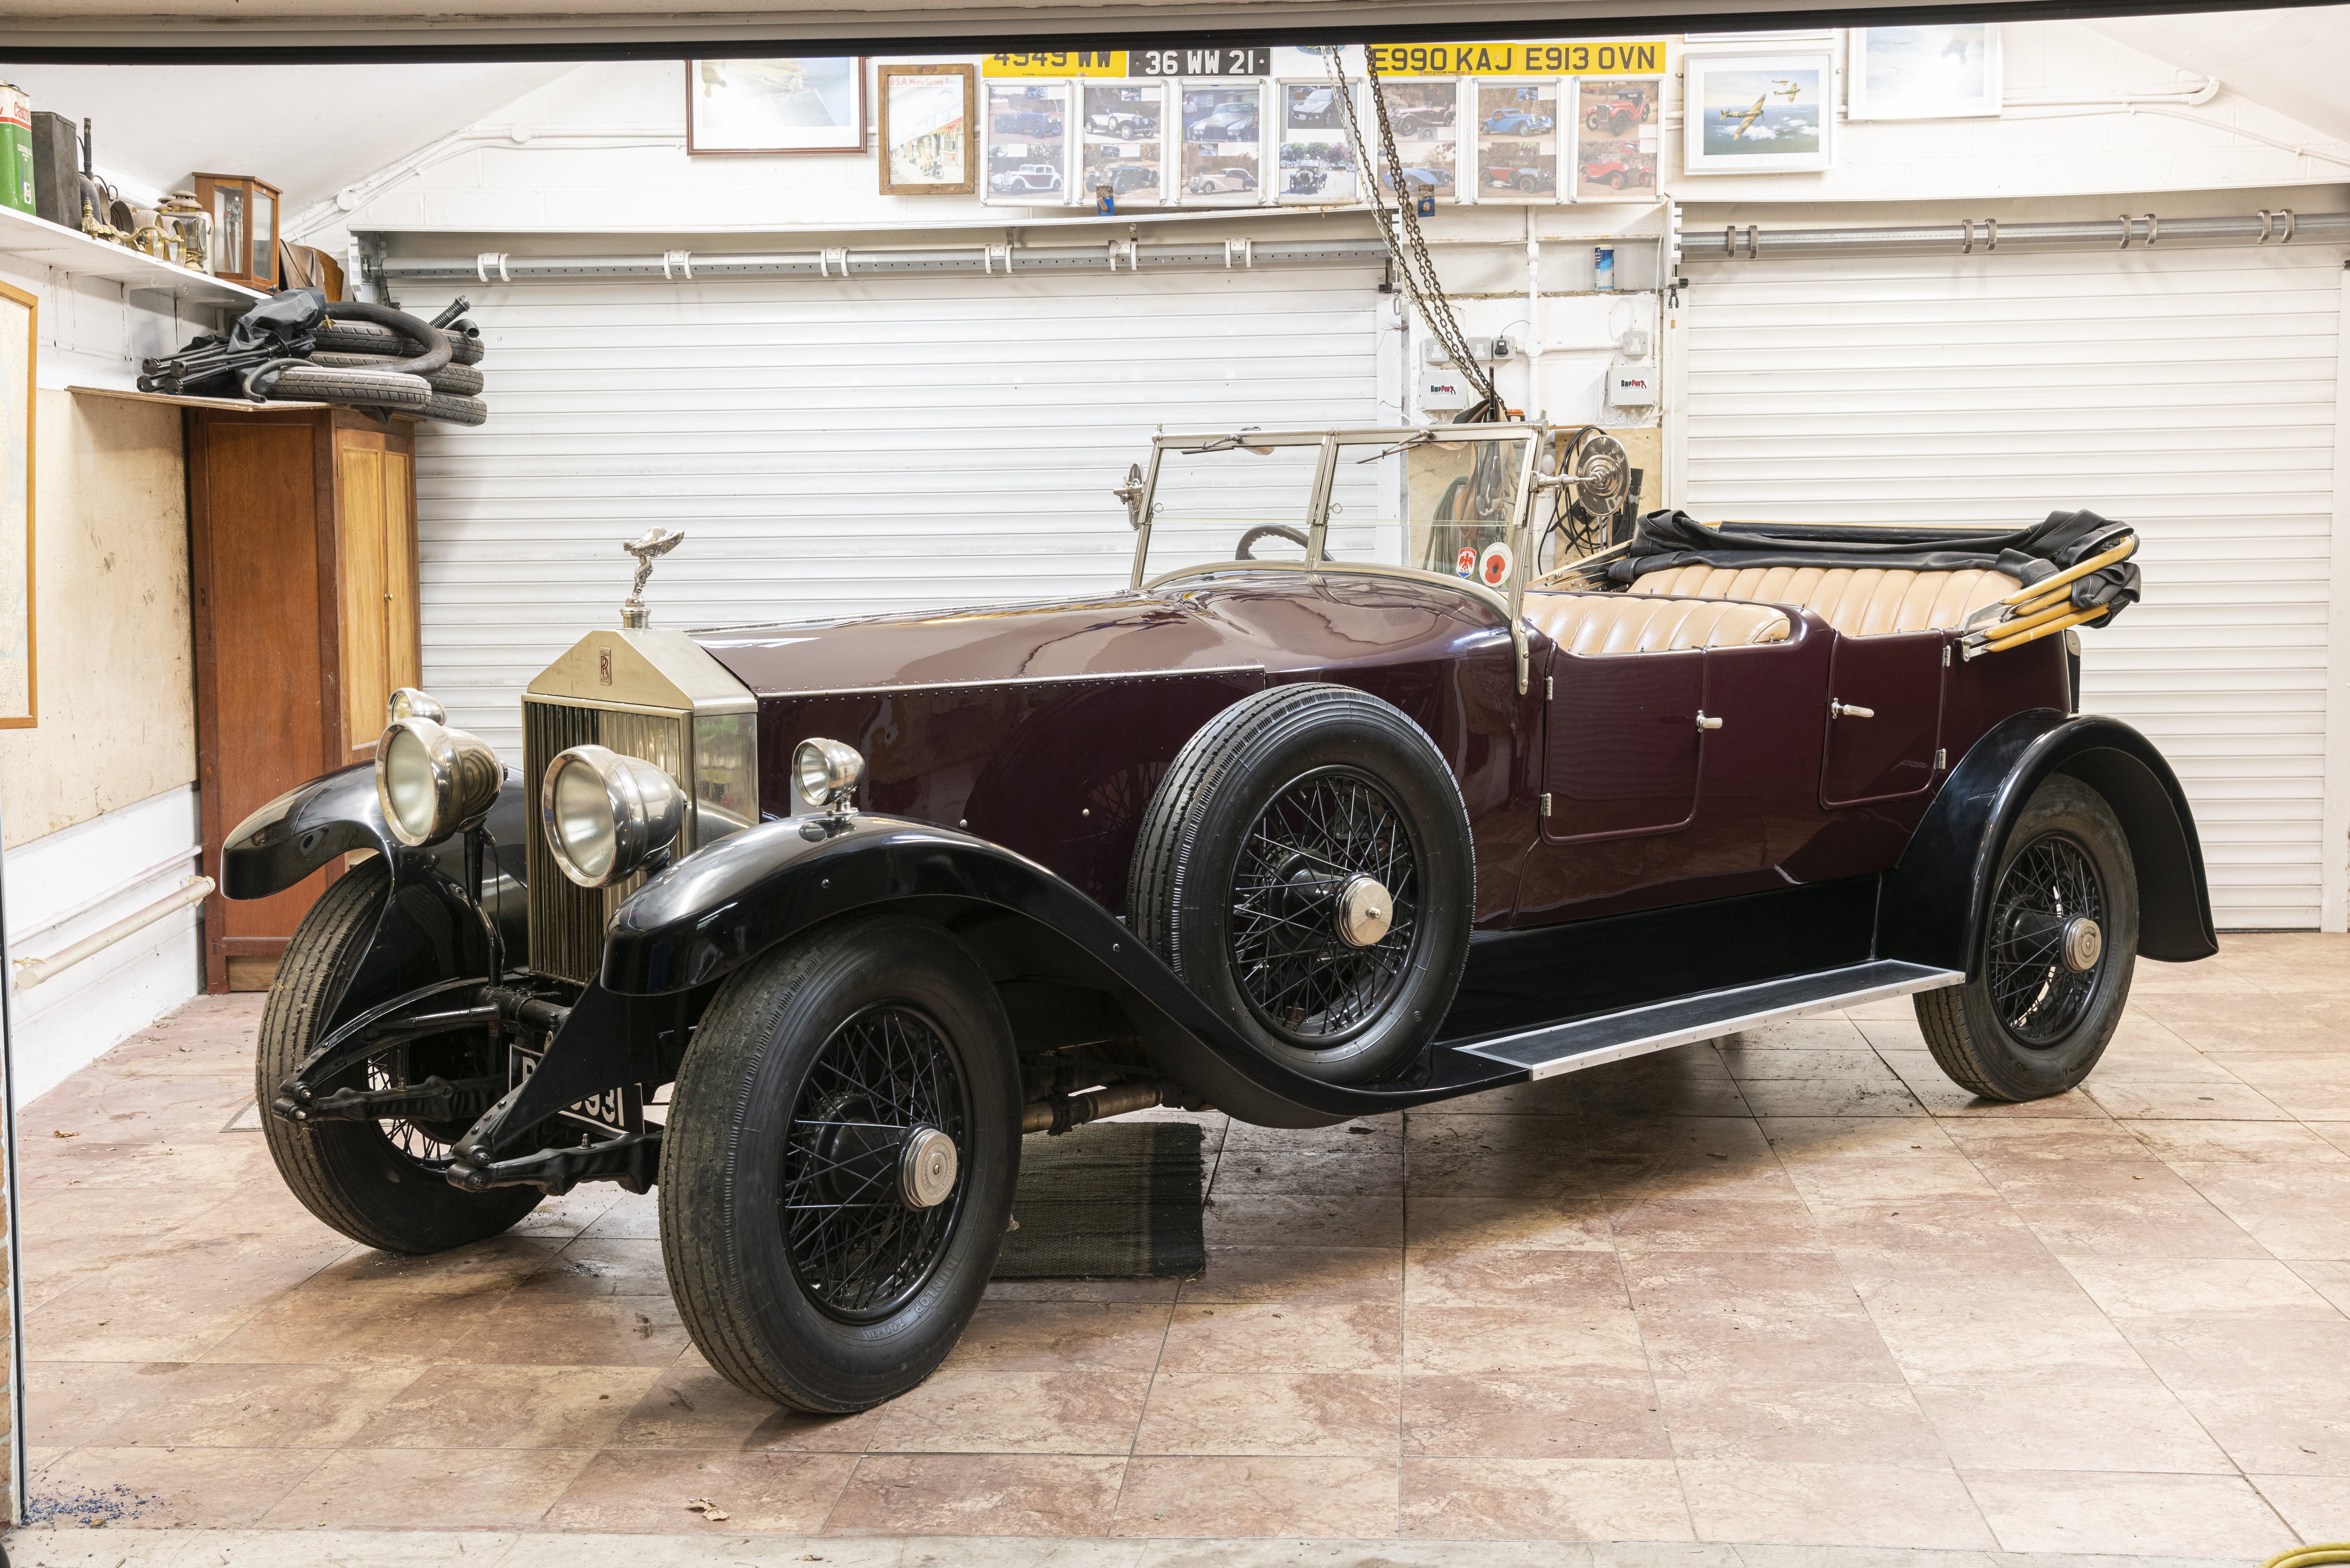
(1616,179)
(374,389)
(463,380)
(367,338)
(455,410)
(809,1264)
(382,1184)
(2058,951)
(1305,866)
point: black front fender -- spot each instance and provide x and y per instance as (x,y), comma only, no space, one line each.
(1936,900)
(308,826)
(718,909)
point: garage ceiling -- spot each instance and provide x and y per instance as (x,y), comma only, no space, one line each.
(226,31)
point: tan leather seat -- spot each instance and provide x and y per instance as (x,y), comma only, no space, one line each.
(1867,601)
(1595,625)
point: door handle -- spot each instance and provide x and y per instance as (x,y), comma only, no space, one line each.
(1705,723)
(1850,710)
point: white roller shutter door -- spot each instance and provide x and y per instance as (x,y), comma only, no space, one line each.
(835,448)
(2192,393)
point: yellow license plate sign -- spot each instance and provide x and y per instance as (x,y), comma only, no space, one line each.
(1056,63)
(1641,56)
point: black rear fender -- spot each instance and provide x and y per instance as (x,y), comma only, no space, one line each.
(306,827)
(1936,900)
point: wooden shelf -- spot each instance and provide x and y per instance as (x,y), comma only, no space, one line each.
(225,405)
(24,237)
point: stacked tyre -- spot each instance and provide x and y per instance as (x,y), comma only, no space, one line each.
(356,359)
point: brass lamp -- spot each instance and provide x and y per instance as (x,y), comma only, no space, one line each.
(244,228)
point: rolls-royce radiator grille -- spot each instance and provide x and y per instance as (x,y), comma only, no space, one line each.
(567,921)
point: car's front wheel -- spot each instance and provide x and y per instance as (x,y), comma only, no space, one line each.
(1305,866)
(382,1183)
(2059,945)
(837,1166)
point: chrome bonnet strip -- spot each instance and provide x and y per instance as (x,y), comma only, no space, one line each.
(1020,680)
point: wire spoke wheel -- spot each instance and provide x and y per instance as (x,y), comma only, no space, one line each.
(2039,986)
(858,1249)
(425,1144)
(1301,976)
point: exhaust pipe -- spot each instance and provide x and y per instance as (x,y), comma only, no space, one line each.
(1057,1116)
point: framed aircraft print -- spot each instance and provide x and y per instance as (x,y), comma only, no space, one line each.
(1759,114)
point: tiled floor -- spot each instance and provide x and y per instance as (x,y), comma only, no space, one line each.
(1790,1288)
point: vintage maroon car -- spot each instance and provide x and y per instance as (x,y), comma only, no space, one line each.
(1331,804)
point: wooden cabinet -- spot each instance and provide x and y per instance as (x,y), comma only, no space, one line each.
(304,557)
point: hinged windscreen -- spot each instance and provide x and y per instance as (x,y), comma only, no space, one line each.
(1448,501)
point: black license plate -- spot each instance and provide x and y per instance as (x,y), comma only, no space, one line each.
(618,1110)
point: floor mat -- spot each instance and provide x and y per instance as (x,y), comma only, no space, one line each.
(1119,1200)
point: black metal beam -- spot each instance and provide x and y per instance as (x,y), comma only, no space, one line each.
(205,42)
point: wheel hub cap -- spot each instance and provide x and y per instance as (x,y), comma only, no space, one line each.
(1365,911)
(927,1168)
(2083,944)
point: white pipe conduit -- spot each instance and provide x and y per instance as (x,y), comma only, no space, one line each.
(1971,237)
(843,261)
(33,971)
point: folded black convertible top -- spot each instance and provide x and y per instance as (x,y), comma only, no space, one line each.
(1665,540)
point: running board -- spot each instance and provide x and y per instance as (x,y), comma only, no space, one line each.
(1611,1036)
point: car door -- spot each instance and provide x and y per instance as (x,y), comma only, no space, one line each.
(1623,752)
(1884,718)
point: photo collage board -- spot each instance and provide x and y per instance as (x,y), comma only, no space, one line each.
(1464,134)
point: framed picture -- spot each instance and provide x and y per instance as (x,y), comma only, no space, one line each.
(1944,72)
(1519,133)
(809,104)
(1224,144)
(927,147)
(1619,123)
(1759,114)
(19,335)
(1426,118)
(1125,142)
(1027,132)
(1318,162)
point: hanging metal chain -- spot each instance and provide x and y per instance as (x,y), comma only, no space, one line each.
(1413,264)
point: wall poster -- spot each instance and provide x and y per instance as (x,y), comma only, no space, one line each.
(1425,117)
(1518,139)
(1028,141)
(1124,145)
(1618,121)
(806,103)
(926,147)
(1759,114)
(1317,163)
(1223,142)
(1947,72)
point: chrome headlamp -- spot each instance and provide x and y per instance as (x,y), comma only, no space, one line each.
(824,774)
(407,702)
(606,815)
(432,781)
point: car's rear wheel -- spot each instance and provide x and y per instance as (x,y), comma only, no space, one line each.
(1305,866)
(382,1184)
(2059,945)
(838,1169)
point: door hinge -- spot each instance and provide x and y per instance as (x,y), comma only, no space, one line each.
(1545,805)
(1941,758)
(1945,656)
(1547,689)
